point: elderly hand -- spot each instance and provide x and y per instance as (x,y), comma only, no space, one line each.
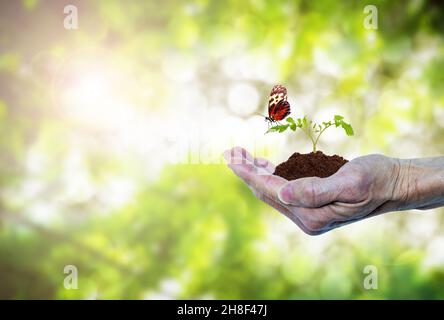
(364,187)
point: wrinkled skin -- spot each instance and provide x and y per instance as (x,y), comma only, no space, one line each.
(364,187)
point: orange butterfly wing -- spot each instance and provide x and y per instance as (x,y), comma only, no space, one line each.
(278,106)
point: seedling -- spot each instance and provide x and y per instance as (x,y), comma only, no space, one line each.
(315,164)
(312,130)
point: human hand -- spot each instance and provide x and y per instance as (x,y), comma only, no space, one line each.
(363,187)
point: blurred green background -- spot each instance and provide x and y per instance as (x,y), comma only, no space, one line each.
(111,138)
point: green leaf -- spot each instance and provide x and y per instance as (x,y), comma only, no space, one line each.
(338,118)
(272,129)
(293,126)
(278,128)
(290,119)
(348,128)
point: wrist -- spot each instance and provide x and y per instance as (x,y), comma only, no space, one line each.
(420,183)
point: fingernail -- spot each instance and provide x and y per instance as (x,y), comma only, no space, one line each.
(285,194)
(260,162)
(231,159)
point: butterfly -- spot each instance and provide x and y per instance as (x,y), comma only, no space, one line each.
(278,106)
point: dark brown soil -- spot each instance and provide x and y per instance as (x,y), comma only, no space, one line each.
(314,164)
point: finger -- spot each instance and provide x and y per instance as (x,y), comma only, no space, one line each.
(238,155)
(342,222)
(264,163)
(331,216)
(312,192)
(257,178)
(316,220)
(286,212)
(313,221)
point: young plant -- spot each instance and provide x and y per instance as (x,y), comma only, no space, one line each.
(311,129)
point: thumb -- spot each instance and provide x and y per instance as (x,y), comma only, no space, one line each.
(310,192)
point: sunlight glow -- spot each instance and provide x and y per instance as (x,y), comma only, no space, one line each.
(92,87)
(92,99)
(243,99)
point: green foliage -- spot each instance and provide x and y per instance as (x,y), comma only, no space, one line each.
(196,231)
(311,129)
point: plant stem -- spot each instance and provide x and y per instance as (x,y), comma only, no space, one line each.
(308,132)
(319,135)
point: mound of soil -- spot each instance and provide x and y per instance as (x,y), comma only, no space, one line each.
(314,164)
